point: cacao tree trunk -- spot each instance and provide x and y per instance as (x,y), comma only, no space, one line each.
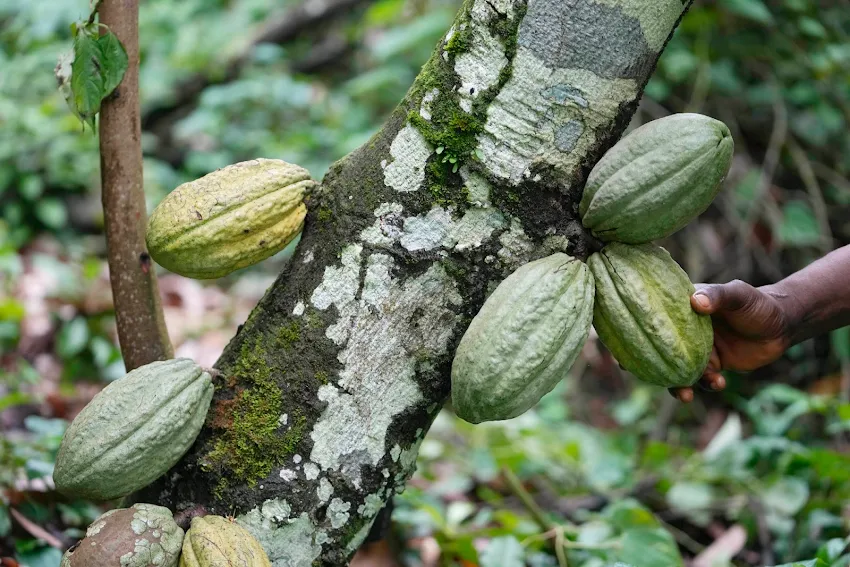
(328,389)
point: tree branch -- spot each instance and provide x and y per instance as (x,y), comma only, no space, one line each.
(335,378)
(138,309)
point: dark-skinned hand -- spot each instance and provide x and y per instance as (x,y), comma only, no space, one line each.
(751,329)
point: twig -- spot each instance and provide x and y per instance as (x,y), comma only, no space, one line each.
(520,492)
(763,530)
(665,415)
(683,538)
(830,175)
(36,530)
(807,174)
(771,159)
(138,308)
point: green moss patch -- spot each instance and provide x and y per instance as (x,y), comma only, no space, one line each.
(251,445)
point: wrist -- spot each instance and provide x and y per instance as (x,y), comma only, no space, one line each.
(791,310)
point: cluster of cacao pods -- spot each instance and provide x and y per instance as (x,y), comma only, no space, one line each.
(229,219)
(145,535)
(531,329)
(139,426)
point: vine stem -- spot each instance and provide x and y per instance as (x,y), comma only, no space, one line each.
(138,308)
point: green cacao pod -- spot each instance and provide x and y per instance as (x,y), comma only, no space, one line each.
(643,315)
(213,541)
(134,430)
(523,340)
(143,535)
(229,219)
(657,179)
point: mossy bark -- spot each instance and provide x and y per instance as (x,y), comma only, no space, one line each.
(330,385)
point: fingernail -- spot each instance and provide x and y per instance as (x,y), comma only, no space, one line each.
(702,300)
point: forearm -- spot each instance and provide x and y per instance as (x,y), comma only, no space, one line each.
(817,298)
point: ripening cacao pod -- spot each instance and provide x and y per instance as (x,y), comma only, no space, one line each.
(231,218)
(213,541)
(143,535)
(134,430)
(523,340)
(643,315)
(657,179)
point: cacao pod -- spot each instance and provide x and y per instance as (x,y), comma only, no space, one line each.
(657,179)
(213,541)
(143,535)
(134,430)
(229,219)
(523,340)
(643,315)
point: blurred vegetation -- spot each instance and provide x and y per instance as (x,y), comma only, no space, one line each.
(604,470)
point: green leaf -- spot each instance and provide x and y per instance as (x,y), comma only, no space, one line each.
(629,514)
(832,550)
(650,547)
(52,213)
(40,557)
(751,9)
(5,521)
(73,338)
(840,339)
(113,61)
(799,226)
(87,81)
(786,497)
(11,310)
(503,551)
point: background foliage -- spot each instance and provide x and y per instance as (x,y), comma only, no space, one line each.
(605,470)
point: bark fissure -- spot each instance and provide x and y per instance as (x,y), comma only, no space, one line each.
(401,247)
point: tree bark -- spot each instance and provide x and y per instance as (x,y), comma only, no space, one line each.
(331,384)
(138,309)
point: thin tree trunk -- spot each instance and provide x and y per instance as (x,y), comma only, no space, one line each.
(138,309)
(331,384)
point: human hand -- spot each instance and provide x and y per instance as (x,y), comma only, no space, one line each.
(751,329)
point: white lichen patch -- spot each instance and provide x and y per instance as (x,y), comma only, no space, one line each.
(298,310)
(395,452)
(474,228)
(426,232)
(548,117)
(283,419)
(296,459)
(359,537)
(308,257)
(517,247)
(295,543)
(656,18)
(376,284)
(449,35)
(407,461)
(339,287)
(479,67)
(276,509)
(372,505)
(311,471)
(374,389)
(477,187)
(427,99)
(288,475)
(410,151)
(338,512)
(324,490)
(387,228)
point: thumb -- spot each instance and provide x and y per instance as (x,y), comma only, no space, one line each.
(733,296)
